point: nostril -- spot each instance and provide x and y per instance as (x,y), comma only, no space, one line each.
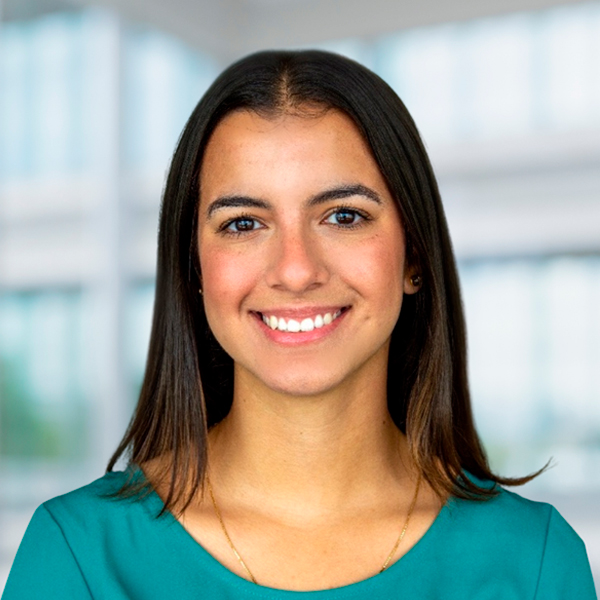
(297,269)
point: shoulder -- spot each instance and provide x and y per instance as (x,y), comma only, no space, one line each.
(93,494)
(515,530)
(103,528)
(106,485)
(510,515)
(93,542)
(507,508)
(70,541)
(96,505)
(511,547)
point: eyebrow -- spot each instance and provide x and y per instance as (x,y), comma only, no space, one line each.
(235,202)
(337,193)
(345,191)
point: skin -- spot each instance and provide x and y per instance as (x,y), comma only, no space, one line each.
(311,475)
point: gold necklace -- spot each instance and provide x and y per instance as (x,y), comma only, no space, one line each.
(249,572)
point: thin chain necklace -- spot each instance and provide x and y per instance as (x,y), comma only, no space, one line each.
(249,572)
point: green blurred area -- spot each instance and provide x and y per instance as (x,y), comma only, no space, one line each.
(25,432)
(42,406)
(48,364)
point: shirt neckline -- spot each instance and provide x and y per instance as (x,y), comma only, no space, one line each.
(183,543)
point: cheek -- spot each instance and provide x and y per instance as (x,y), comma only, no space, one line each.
(227,277)
(377,268)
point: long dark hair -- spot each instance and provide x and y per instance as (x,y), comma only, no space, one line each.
(188,383)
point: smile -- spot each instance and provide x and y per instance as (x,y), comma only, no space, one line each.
(296,326)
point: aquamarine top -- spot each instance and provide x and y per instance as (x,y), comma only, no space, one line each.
(84,545)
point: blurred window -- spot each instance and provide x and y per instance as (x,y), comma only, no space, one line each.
(534,351)
(43,409)
(498,77)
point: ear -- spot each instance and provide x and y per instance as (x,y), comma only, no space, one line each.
(413,281)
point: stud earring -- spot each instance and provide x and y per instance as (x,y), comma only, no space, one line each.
(200,291)
(416,280)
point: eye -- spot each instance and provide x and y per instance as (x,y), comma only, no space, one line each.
(347,217)
(240,225)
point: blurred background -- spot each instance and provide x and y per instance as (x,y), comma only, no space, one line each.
(93,95)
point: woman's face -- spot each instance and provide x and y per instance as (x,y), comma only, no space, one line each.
(302,251)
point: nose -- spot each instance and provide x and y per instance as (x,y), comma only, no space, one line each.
(297,262)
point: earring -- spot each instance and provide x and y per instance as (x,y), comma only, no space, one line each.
(416,280)
(200,291)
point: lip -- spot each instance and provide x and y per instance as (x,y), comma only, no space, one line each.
(286,338)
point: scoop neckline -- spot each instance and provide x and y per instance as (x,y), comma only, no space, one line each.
(379,581)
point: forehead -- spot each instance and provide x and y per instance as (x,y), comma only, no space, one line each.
(304,122)
(315,148)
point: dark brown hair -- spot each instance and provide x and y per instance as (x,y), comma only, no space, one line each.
(188,383)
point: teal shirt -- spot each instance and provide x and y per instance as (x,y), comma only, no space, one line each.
(84,545)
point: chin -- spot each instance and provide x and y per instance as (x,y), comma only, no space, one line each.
(300,383)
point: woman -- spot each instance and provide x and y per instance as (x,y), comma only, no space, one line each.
(304,424)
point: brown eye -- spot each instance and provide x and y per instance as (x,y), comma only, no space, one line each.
(345,217)
(241,225)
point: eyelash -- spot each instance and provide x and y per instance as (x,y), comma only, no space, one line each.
(364,219)
(224,227)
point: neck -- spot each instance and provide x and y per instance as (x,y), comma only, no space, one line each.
(316,454)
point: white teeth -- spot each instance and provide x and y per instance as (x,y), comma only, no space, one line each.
(307,325)
(294,326)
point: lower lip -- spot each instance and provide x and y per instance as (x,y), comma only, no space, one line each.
(286,338)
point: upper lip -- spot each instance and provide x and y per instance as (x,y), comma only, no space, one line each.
(303,312)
